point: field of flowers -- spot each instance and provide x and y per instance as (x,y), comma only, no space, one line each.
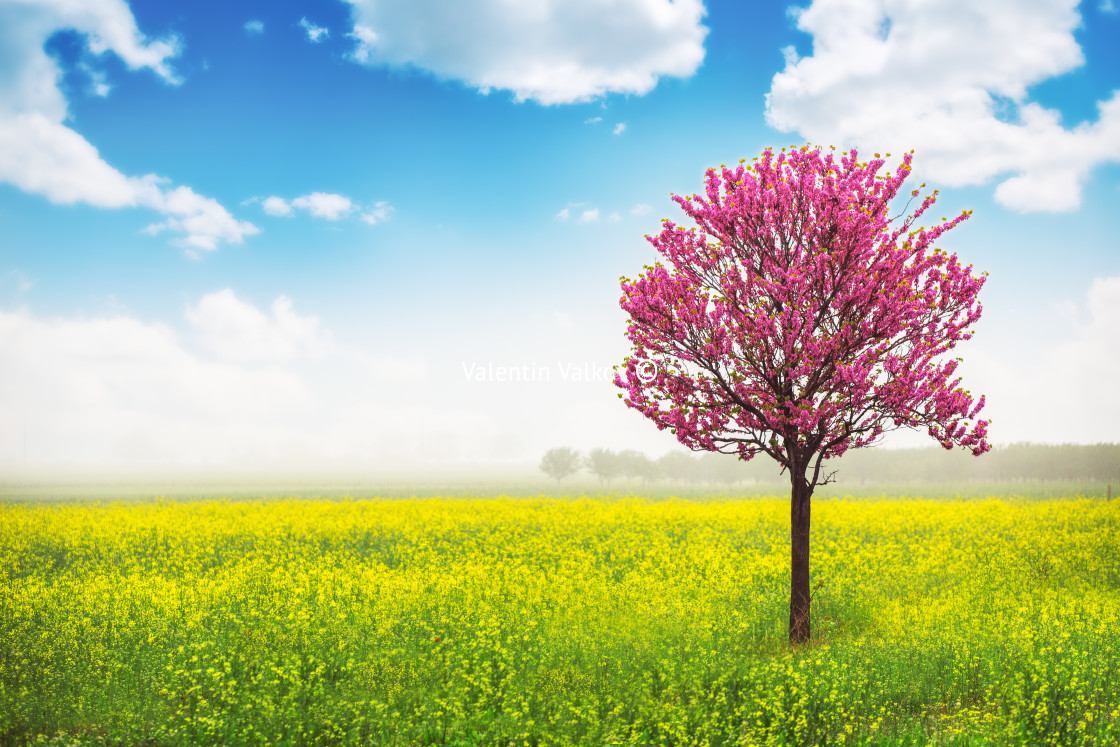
(608,620)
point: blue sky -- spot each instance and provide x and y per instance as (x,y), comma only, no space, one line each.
(321,232)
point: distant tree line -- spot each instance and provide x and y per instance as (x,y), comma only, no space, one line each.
(1025,461)
(634,466)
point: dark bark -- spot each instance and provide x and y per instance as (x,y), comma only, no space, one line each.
(799,591)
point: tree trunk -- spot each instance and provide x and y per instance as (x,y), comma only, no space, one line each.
(799,593)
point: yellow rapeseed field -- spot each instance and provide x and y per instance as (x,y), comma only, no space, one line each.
(591,621)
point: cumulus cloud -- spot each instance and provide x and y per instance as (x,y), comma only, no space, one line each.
(549,51)
(1094,347)
(202,219)
(593,120)
(379,212)
(328,206)
(315,34)
(588,215)
(254,28)
(98,83)
(1070,372)
(41,155)
(240,383)
(640,209)
(84,385)
(276,206)
(324,205)
(237,331)
(620,128)
(949,79)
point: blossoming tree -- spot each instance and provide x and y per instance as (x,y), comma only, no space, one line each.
(799,319)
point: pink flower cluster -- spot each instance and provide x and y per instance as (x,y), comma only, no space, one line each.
(798,318)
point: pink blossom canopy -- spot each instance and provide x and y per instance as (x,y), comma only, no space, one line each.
(795,320)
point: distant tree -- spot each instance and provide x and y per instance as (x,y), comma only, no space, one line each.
(560,463)
(678,466)
(721,468)
(604,464)
(800,321)
(636,465)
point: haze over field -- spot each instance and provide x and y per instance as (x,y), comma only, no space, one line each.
(347,236)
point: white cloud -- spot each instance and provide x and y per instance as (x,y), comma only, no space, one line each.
(40,155)
(276,206)
(589,215)
(550,51)
(614,218)
(379,212)
(237,331)
(328,206)
(202,219)
(1094,348)
(119,379)
(367,39)
(1070,372)
(563,214)
(1107,6)
(254,28)
(120,390)
(45,157)
(593,120)
(315,33)
(640,209)
(948,78)
(620,128)
(98,83)
(324,205)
